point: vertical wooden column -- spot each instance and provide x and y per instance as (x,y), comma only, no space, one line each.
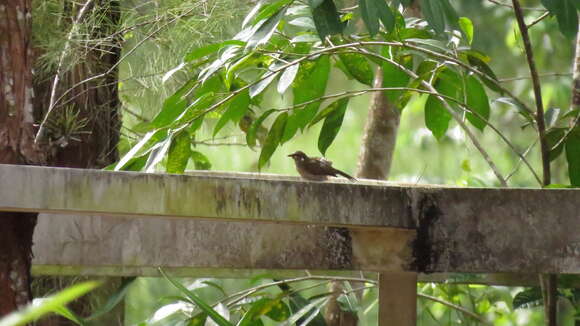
(398,299)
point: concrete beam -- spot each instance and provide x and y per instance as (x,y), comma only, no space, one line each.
(465,230)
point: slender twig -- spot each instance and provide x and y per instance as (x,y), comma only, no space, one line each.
(499,3)
(551,74)
(539,19)
(524,154)
(537,93)
(456,307)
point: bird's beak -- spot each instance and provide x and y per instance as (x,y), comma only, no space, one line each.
(291,155)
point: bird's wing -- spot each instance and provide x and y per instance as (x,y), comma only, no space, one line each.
(319,166)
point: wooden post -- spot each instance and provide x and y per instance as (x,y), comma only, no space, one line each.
(398,299)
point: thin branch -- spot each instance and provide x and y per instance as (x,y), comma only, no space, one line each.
(537,93)
(539,19)
(499,3)
(456,307)
(551,74)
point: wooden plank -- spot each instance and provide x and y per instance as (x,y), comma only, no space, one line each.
(397,299)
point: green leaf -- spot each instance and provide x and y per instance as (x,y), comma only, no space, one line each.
(476,61)
(450,13)
(370,16)
(477,101)
(113,300)
(179,152)
(314,3)
(467,28)
(434,13)
(276,309)
(385,14)
(566,14)
(270,9)
(310,84)
(287,78)
(436,117)
(49,304)
(358,66)
(531,297)
(573,156)
(326,18)
(255,127)
(551,117)
(209,49)
(197,320)
(194,110)
(217,318)
(173,106)
(235,111)
(553,137)
(273,139)
(395,77)
(332,124)
(265,31)
(200,161)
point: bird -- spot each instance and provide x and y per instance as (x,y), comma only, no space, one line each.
(316,168)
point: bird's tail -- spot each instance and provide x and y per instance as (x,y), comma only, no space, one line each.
(345,175)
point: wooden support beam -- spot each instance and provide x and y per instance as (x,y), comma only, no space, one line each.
(465,230)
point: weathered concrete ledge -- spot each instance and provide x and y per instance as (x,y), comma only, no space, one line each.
(457,229)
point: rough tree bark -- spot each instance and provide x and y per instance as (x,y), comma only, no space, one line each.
(16,147)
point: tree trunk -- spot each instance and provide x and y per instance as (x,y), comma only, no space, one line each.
(16,147)
(380,136)
(83,132)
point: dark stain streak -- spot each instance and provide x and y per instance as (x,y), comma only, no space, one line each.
(339,245)
(425,254)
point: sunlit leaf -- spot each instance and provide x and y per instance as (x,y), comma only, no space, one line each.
(265,31)
(209,49)
(49,304)
(358,66)
(287,78)
(157,154)
(467,28)
(273,139)
(270,9)
(332,124)
(261,85)
(179,152)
